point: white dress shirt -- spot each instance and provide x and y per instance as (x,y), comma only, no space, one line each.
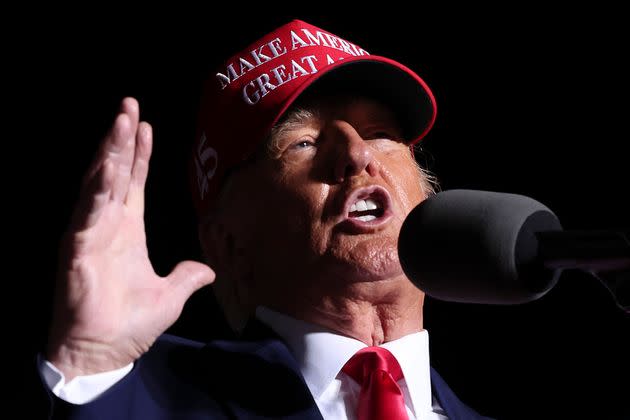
(81,389)
(335,393)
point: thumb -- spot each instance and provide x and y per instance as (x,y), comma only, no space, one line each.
(188,277)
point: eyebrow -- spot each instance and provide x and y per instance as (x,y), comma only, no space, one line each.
(292,120)
(311,107)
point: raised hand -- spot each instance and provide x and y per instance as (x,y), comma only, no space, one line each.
(110,306)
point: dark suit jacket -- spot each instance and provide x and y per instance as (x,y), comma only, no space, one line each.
(245,379)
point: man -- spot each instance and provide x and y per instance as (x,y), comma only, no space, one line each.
(302,175)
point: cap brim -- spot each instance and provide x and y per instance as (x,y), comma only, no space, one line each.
(393,84)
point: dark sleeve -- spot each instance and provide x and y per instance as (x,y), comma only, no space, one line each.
(162,385)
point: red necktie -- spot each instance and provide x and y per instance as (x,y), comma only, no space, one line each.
(377,371)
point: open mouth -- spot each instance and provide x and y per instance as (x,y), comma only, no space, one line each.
(367,208)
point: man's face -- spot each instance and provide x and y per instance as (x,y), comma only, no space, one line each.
(326,205)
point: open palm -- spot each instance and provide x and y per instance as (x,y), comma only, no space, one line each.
(110,305)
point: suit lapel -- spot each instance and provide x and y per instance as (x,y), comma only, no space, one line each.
(257,377)
(454,408)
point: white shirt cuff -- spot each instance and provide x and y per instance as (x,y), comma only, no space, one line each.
(81,389)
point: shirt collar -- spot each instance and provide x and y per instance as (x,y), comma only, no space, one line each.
(310,345)
(412,353)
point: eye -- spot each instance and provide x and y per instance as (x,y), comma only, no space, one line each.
(384,139)
(303,144)
(382,135)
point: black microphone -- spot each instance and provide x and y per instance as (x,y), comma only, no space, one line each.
(499,248)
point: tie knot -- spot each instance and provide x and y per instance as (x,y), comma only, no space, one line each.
(372,359)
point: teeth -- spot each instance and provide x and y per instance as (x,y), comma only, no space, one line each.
(363,205)
(371,205)
(366,218)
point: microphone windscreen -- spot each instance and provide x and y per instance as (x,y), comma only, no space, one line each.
(477,247)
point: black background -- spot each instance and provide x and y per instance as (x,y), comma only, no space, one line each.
(530,101)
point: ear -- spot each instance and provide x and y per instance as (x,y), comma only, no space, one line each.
(228,259)
(211,234)
(223,247)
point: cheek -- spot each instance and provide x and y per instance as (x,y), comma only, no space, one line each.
(407,184)
(413,192)
(298,205)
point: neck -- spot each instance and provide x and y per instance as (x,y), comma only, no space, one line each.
(372,312)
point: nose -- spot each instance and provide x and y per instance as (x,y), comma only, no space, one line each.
(352,154)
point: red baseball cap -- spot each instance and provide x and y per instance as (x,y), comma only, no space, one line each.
(252,90)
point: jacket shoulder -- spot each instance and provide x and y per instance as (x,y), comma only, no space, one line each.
(452,405)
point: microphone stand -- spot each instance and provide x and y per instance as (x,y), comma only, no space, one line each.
(603,254)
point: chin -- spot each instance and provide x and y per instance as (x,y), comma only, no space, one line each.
(370,260)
